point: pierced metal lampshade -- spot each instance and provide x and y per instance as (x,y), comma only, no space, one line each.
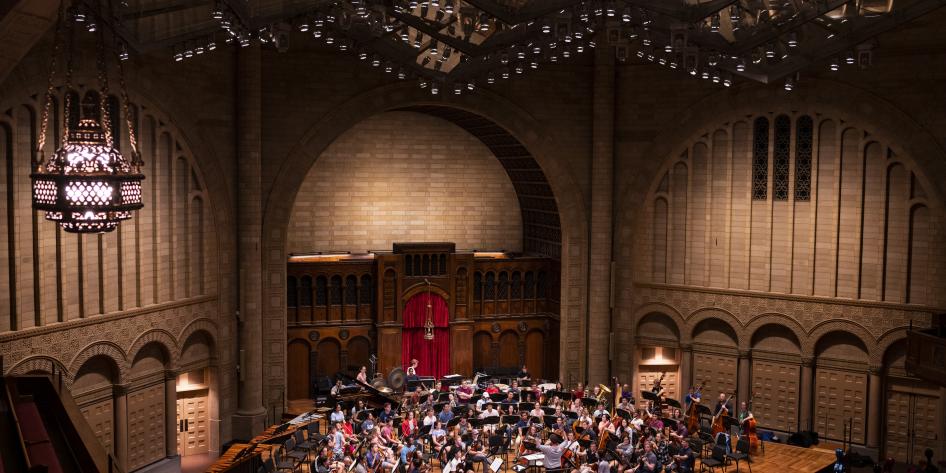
(87,186)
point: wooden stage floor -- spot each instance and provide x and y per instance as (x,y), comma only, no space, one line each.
(778,457)
(781,458)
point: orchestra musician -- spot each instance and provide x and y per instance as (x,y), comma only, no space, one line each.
(363,375)
(412,370)
(524,373)
(685,458)
(723,408)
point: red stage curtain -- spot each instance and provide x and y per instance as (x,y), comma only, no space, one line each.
(433,356)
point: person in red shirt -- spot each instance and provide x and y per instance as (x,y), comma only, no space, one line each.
(579,392)
(409,425)
(492,389)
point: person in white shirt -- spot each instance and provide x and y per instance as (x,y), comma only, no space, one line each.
(489,412)
(482,401)
(338,415)
(430,418)
(553,456)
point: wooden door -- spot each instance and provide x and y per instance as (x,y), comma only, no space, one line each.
(912,417)
(717,373)
(146,426)
(100,417)
(193,424)
(650,373)
(840,398)
(775,394)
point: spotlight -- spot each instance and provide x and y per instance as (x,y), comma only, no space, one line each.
(835,65)
(849,58)
(789,84)
(741,65)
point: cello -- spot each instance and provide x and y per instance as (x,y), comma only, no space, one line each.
(693,415)
(718,421)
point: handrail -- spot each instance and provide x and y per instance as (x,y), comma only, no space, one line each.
(16,422)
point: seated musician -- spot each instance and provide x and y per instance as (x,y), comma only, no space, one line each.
(388,433)
(438,436)
(514,388)
(363,375)
(456,464)
(374,460)
(412,370)
(648,460)
(431,417)
(478,453)
(337,441)
(387,413)
(638,421)
(510,398)
(600,410)
(744,415)
(446,415)
(627,393)
(685,458)
(337,388)
(338,415)
(368,423)
(605,424)
(465,392)
(492,389)
(409,425)
(523,423)
(348,428)
(537,411)
(483,401)
(662,450)
(524,373)
(579,392)
(589,460)
(464,427)
(358,407)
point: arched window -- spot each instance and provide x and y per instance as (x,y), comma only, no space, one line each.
(425,269)
(292,292)
(477,286)
(321,291)
(529,290)
(351,289)
(366,293)
(503,285)
(760,158)
(305,294)
(803,146)
(516,285)
(335,290)
(409,266)
(541,288)
(490,292)
(443,264)
(783,139)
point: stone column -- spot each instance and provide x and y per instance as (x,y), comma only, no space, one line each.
(120,432)
(602,184)
(686,370)
(250,415)
(874,403)
(805,388)
(170,413)
(742,382)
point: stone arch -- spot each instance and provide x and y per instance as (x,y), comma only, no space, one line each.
(39,363)
(160,336)
(884,342)
(667,310)
(104,348)
(699,316)
(195,338)
(761,320)
(201,324)
(660,326)
(421,287)
(774,331)
(500,111)
(838,325)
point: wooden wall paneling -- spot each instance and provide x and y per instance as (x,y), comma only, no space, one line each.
(146,428)
(775,394)
(509,350)
(717,371)
(535,353)
(647,374)
(101,417)
(840,396)
(461,358)
(297,370)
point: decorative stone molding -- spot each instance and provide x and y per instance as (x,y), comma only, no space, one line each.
(104,348)
(160,336)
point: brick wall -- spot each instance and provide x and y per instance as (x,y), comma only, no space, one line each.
(405,176)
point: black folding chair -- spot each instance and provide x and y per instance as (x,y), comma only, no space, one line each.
(741,453)
(717,460)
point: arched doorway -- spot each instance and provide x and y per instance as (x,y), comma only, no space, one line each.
(433,354)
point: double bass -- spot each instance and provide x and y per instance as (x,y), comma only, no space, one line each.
(749,427)
(693,415)
(718,421)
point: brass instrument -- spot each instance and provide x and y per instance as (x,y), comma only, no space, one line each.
(604,392)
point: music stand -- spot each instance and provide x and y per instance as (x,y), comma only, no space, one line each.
(650,396)
(439,407)
(526,406)
(549,411)
(497,397)
(453,422)
(425,430)
(623,414)
(589,402)
(549,421)
(673,403)
(443,396)
(730,422)
(571,414)
(510,420)
(669,422)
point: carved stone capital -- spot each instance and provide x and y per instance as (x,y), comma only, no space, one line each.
(807,361)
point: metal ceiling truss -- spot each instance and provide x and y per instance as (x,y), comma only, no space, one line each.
(460,41)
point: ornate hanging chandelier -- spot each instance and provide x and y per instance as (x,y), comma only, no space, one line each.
(87,186)
(429,323)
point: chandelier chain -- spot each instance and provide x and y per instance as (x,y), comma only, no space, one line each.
(67,99)
(39,158)
(126,109)
(103,85)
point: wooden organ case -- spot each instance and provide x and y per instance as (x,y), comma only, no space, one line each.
(342,308)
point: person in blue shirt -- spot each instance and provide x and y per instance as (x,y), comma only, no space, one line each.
(406,449)
(446,415)
(387,413)
(338,441)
